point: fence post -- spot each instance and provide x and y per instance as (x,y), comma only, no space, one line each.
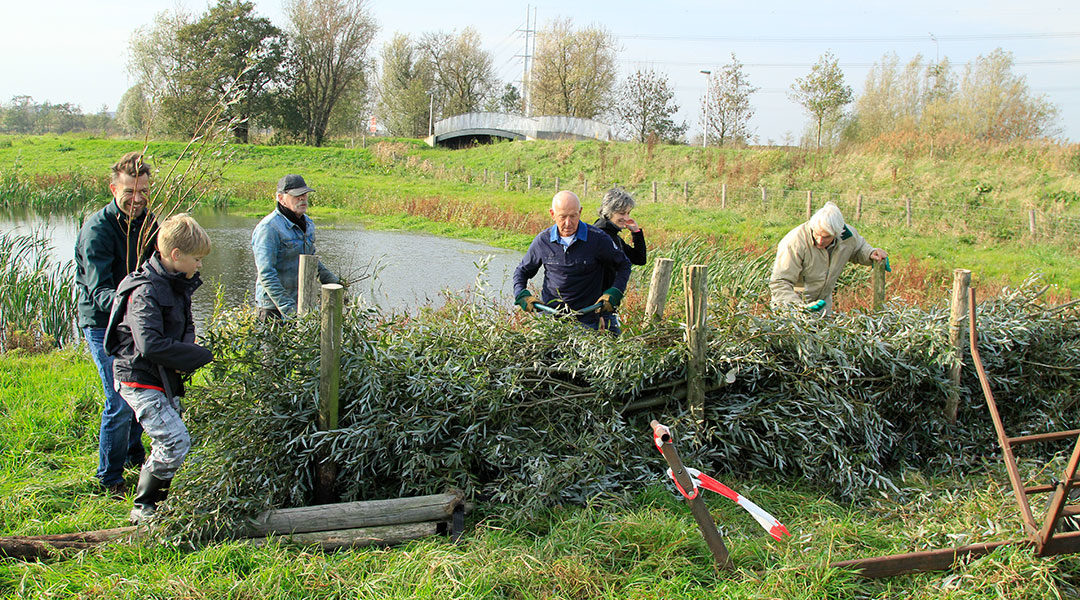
(695,282)
(957,320)
(654,191)
(686,191)
(307,295)
(584,187)
(506,181)
(658,288)
(485,176)
(809,204)
(858,208)
(907,210)
(878,283)
(557,188)
(764,195)
(1031,221)
(333,298)
(528,182)
(723,196)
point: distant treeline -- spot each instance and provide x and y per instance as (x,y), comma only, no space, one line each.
(24,115)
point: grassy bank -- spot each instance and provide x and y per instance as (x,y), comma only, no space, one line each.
(970,202)
(640,545)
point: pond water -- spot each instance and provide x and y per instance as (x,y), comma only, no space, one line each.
(409,269)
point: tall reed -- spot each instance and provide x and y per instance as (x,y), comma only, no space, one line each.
(37,302)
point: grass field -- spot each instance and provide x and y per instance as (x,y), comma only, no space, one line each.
(642,545)
(969,202)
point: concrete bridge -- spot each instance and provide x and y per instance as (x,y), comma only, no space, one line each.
(484,127)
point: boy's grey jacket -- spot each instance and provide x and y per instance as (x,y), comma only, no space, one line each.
(151,324)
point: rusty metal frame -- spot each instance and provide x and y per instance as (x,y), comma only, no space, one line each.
(1043,537)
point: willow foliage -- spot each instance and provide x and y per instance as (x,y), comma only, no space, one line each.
(530,411)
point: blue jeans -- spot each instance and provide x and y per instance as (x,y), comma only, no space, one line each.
(120,439)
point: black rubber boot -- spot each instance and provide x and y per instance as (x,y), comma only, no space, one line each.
(148,494)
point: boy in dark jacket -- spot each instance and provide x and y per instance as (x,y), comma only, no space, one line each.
(151,335)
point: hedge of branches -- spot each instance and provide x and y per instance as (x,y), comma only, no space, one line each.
(530,412)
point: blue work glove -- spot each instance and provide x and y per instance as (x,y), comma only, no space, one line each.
(525,300)
(814,307)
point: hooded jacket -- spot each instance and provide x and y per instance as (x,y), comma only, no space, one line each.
(106,250)
(150,326)
(803,273)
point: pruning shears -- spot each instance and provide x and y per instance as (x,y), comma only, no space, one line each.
(565,311)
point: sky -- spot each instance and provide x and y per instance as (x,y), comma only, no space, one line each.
(76,51)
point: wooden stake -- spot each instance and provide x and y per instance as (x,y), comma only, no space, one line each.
(307,296)
(686,191)
(697,505)
(695,282)
(528,182)
(957,321)
(350,515)
(658,288)
(654,191)
(723,196)
(1031,221)
(557,188)
(809,204)
(858,208)
(584,187)
(333,299)
(506,181)
(907,210)
(878,282)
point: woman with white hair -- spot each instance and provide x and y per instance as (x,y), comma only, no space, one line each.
(614,217)
(811,257)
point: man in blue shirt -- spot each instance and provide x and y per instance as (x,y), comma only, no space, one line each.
(573,255)
(277,243)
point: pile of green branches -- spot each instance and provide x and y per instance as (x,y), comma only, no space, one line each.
(529,412)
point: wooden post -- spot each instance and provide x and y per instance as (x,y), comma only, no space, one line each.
(957,319)
(654,191)
(686,191)
(485,176)
(333,298)
(506,181)
(809,204)
(764,195)
(858,208)
(528,182)
(723,196)
(878,282)
(697,504)
(1031,221)
(307,293)
(557,188)
(907,210)
(658,288)
(695,283)
(584,187)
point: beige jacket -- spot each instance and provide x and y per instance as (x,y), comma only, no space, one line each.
(803,274)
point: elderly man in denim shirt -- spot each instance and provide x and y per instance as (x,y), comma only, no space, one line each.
(277,242)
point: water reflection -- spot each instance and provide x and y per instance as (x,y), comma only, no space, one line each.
(412,269)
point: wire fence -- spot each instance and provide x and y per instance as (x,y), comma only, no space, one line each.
(971,221)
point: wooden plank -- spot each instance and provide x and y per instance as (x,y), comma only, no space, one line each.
(351,515)
(359,537)
(919,562)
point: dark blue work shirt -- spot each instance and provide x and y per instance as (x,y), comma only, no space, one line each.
(573,274)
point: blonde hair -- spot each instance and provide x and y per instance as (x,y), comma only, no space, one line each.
(183,233)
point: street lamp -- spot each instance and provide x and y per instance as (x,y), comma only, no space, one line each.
(431,115)
(705,137)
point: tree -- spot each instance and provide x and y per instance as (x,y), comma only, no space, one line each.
(996,104)
(463,73)
(645,107)
(235,54)
(573,71)
(727,117)
(328,54)
(404,85)
(133,111)
(508,102)
(157,60)
(823,92)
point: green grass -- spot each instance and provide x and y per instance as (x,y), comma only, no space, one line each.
(643,545)
(404,185)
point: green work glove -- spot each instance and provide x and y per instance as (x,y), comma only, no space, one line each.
(610,299)
(813,307)
(525,300)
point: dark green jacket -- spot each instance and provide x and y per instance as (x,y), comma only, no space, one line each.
(106,250)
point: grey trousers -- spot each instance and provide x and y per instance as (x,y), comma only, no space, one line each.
(159,416)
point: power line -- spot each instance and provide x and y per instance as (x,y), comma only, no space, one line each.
(699,63)
(815,39)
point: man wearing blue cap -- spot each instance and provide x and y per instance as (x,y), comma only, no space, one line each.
(277,242)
